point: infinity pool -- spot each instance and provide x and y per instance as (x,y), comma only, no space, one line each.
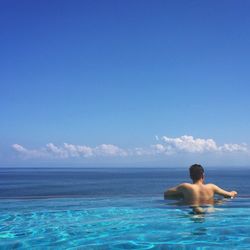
(121,223)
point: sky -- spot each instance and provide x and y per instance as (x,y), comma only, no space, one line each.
(125,83)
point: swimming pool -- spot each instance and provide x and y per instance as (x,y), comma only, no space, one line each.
(121,223)
(117,208)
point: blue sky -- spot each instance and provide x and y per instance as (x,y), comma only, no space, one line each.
(119,73)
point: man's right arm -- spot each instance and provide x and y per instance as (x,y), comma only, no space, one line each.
(175,192)
(226,194)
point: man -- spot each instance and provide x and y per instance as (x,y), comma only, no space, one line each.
(198,193)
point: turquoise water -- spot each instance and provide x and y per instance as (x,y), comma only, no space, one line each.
(121,223)
(50,208)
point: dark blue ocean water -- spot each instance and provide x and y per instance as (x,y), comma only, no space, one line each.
(112,182)
(116,208)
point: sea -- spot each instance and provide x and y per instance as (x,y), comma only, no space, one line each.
(118,208)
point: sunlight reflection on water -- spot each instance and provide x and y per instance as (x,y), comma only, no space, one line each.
(137,223)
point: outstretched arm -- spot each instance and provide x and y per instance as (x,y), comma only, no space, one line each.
(226,194)
(174,192)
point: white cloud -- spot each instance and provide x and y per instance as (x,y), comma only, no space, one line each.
(234,148)
(19,148)
(189,144)
(139,151)
(109,149)
(69,151)
(26,153)
(165,146)
(58,152)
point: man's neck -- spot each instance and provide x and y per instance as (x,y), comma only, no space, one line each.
(199,182)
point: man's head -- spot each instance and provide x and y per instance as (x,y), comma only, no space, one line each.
(196,172)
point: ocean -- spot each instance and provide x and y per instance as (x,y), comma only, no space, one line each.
(117,208)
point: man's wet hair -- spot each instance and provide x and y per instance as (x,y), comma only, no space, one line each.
(196,172)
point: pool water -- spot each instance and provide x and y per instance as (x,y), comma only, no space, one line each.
(49,208)
(121,223)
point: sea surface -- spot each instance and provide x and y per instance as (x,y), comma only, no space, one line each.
(117,208)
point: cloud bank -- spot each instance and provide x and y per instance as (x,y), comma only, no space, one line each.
(69,151)
(165,146)
(189,144)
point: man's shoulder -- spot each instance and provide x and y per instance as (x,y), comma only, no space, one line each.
(211,186)
(185,185)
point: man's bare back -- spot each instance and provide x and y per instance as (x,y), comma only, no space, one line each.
(198,193)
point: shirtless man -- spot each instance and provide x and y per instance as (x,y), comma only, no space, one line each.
(198,193)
